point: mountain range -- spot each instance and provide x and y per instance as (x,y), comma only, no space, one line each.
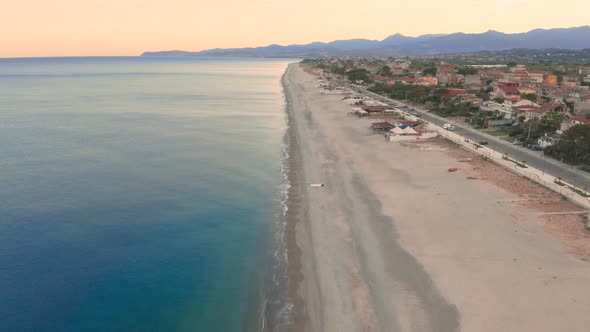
(575,38)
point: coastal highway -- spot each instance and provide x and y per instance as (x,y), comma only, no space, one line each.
(534,159)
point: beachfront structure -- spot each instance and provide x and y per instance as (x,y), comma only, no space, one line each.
(359,112)
(379,109)
(336,91)
(401,134)
(382,126)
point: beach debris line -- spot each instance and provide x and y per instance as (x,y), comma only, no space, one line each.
(464,160)
(316,185)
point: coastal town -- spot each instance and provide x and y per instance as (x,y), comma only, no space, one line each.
(540,105)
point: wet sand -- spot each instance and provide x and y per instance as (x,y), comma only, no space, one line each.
(394,242)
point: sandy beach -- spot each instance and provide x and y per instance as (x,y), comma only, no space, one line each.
(394,242)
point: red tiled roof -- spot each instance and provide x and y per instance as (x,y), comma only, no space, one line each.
(453,93)
(509,89)
(550,107)
(580,119)
(381,125)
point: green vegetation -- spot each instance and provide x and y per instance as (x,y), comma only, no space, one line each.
(585,168)
(467,71)
(521,164)
(528,132)
(456,109)
(529,96)
(385,71)
(415,93)
(579,192)
(358,75)
(429,71)
(574,146)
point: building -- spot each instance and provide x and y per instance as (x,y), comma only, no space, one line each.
(452,94)
(508,91)
(469,98)
(571,121)
(473,82)
(536,76)
(427,81)
(382,126)
(540,112)
(504,109)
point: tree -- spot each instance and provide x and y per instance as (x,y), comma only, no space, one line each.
(358,75)
(551,122)
(574,145)
(385,71)
(499,100)
(511,64)
(529,96)
(467,71)
(429,71)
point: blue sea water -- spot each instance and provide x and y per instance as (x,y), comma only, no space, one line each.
(138,194)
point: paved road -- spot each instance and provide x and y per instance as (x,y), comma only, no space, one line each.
(535,159)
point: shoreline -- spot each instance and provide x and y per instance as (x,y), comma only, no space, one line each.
(294,216)
(367,270)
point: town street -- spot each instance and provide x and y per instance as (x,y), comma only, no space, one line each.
(534,159)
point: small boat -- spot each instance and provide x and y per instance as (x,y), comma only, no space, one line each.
(316,185)
(453,169)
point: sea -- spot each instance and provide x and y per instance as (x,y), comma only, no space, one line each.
(142,194)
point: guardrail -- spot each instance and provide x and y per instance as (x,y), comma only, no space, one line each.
(563,188)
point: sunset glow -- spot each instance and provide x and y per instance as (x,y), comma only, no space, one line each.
(129,27)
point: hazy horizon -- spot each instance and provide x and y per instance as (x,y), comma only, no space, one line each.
(130,27)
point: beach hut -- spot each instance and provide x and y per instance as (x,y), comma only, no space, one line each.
(381,126)
(410,131)
(362,113)
(397,131)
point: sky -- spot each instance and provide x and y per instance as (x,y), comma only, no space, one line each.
(32,28)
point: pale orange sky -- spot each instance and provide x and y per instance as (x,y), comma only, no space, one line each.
(129,27)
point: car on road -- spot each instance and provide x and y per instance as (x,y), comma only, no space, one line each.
(448,127)
(517,142)
(535,147)
(483,142)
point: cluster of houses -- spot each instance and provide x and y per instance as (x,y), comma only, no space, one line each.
(509,85)
(402,130)
(400,125)
(510,90)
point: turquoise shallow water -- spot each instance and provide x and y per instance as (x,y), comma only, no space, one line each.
(138,194)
